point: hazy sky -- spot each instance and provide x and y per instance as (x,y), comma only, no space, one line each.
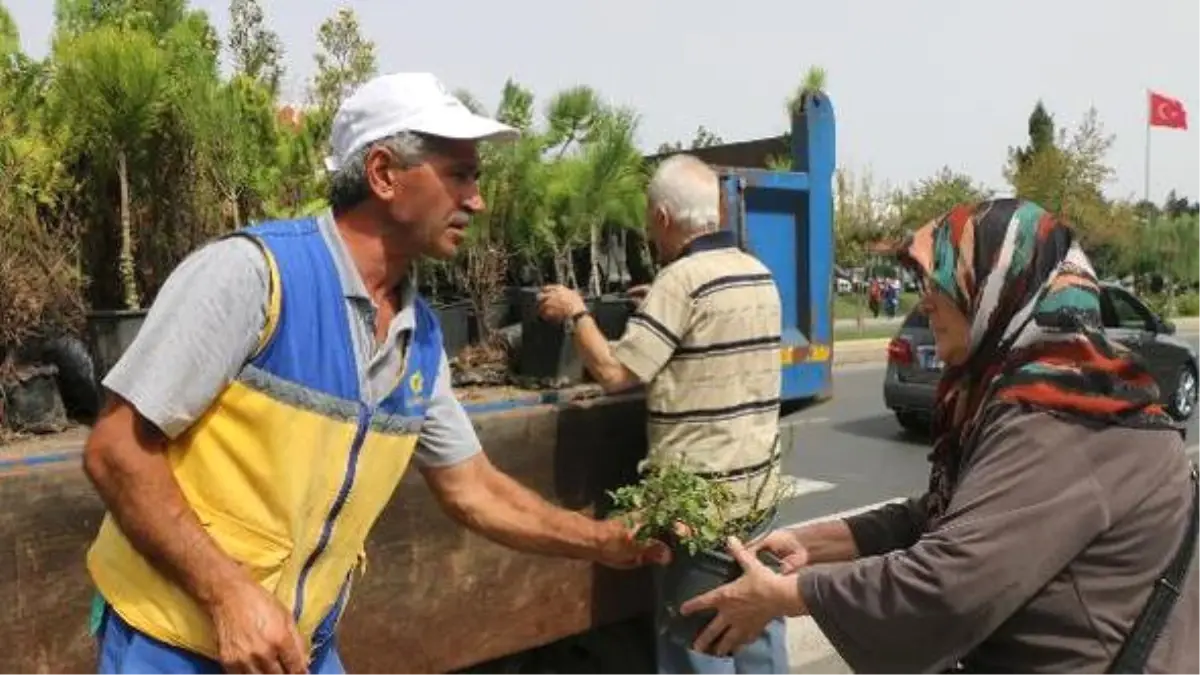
(916,83)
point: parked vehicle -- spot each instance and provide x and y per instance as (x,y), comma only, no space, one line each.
(435,597)
(914,369)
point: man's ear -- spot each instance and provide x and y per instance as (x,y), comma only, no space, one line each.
(661,218)
(382,178)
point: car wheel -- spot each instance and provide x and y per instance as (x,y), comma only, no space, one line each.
(1183,400)
(914,422)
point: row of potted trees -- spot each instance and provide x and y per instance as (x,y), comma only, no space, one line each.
(481,306)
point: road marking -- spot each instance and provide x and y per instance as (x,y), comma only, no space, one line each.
(796,486)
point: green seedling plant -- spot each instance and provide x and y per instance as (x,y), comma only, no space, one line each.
(676,506)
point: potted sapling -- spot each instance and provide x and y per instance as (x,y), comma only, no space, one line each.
(695,517)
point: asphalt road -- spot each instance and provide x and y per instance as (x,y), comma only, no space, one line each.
(852,454)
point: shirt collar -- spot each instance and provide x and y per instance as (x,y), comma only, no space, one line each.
(709,241)
(351,281)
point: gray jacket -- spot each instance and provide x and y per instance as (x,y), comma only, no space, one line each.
(1042,562)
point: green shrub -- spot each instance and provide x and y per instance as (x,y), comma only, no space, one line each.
(1188,304)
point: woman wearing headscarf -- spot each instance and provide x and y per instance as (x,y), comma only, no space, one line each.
(1059,498)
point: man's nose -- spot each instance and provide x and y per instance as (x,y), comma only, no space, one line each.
(474,203)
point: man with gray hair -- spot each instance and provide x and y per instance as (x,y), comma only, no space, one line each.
(705,342)
(272,401)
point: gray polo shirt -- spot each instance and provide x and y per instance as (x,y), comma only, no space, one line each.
(205,324)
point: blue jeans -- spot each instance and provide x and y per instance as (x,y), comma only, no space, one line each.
(767,654)
(124,649)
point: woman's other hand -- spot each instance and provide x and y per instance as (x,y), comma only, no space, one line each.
(784,545)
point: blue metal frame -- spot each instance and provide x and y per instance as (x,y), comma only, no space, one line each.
(785,218)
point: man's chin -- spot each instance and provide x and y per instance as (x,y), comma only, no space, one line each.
(442,251)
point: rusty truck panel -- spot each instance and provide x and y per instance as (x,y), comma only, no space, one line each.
(434,597)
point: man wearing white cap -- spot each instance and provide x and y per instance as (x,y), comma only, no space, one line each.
(274,396)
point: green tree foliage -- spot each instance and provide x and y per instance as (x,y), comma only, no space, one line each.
(156,17)
(10,37)
(126,148)
(934,196)
(1068,178)
(703,138)
(257,51)
(815,80)
(863,214)
(345,59)
(1041,136)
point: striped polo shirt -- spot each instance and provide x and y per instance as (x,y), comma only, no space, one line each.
(706,343)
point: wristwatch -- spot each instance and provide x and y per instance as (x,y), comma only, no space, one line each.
(573,320)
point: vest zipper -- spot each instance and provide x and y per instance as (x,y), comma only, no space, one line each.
(360,434)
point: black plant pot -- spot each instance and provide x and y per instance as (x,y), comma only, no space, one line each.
(32,403)
(612,314)
(547,353)
(454,319)
(109,334)
(689,576)
(500,314)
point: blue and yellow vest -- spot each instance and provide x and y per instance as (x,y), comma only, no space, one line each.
(292,463)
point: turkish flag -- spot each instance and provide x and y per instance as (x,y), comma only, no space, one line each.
(1167,112)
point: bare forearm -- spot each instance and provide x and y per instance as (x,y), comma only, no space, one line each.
(523,520)
(827,542)
(146,502)
(598,357)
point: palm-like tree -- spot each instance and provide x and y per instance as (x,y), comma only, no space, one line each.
(597,177)
(110,84)
(612,189)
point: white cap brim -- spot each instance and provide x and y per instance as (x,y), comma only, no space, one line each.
(462,124)
(455,123)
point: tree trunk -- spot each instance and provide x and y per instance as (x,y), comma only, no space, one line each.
(125,259)
(572,280)
(594,255)
(563,261)
(237,212)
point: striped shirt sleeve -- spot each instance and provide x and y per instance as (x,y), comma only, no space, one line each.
(655,329)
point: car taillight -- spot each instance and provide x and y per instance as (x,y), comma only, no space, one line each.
(900,351)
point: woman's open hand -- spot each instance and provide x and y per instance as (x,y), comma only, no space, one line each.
(745,606)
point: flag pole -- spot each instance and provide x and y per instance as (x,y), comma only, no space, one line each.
(1146,193)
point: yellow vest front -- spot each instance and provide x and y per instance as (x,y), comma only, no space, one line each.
(286,475)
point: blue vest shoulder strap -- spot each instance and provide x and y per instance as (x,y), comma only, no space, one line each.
(311,344)
(424,363)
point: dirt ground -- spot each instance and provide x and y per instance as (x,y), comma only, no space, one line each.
(19,445)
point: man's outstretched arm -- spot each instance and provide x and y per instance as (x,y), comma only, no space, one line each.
(483,498)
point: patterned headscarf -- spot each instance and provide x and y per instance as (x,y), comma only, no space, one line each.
(1033,302)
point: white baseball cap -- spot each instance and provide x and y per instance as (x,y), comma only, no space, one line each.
(418,102)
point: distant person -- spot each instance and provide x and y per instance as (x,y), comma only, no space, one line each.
(1061,506)
(705,342)
(891,297)
(282,383)
(875,297)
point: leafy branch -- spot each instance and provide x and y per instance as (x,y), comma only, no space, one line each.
(673,504)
